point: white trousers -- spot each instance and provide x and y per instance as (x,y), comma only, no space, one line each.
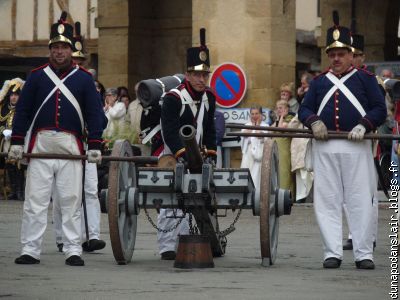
(374,220)
(344,174)
(44,176)
(92,207)
(168,241)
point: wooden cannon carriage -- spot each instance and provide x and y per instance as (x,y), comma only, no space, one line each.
(199,189)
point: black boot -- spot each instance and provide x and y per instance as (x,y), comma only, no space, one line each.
(12,177)
(348,245)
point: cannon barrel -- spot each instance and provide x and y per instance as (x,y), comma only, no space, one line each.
(193,155)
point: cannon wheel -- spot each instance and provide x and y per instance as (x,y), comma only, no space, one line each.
(121,176)
(269,221)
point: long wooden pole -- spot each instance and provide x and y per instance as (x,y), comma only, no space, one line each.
(135,159)
(300,133)
(336,136)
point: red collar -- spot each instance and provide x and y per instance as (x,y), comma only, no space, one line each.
(351,68)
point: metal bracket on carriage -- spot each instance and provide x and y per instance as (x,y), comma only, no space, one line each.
(206,178)
(157,204)
(154,178)
(234,203)
(231,178)
(179,175)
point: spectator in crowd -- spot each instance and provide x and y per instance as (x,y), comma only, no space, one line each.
(115,112)
(94,73)
(287,93)
(101,90)
(252,147)
(283,118)
(122,91)
(9,96)
(126,100)
(298,150)
(283,114)
(304,84)
(133,116)
(220,132)
(387,74)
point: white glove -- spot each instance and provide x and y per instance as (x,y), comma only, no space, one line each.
(357,133)
(15,152)
(7,133)
(319,130)
(94,156)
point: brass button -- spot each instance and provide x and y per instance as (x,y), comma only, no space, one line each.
(58,114)
(59,106)
(337,117)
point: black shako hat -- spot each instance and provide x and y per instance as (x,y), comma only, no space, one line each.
(338,36)
(62,31)
(357,40)
(78,42)
(198,58)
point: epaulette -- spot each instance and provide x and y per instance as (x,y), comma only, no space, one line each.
(320,74)
(171,93)
(366,71)
(41,67)
(181,86)
(86,71)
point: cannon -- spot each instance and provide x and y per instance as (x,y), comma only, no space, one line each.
(200,192)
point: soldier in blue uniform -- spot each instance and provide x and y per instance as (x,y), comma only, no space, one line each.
(90,184)
(58,100)
(343,98)
(191,103)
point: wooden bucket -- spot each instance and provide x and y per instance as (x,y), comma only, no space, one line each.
(194,251)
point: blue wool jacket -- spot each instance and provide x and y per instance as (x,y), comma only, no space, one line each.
(58,113)
(339,114)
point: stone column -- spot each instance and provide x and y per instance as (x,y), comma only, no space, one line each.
(259,35)
(113,23)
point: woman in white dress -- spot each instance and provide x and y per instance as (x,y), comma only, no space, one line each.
(115,112)
(252,147)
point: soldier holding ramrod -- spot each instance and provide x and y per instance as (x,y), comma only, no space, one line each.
(344,99)
(58,100)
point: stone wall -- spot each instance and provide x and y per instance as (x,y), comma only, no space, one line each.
(257,35)
(376,20)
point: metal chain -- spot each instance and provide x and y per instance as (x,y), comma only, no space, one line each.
(192,229)
(231,227)
(163,230)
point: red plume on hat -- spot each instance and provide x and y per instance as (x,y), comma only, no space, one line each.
(63,18)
